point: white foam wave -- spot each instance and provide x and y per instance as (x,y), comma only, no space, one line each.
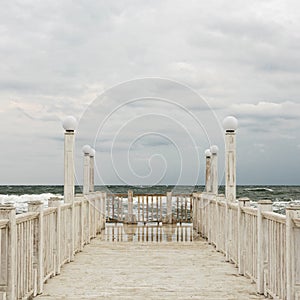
(259,189)
(20,202)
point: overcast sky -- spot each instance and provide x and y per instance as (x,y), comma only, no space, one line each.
(150,82)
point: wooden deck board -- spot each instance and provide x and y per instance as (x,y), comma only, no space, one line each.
(132,270)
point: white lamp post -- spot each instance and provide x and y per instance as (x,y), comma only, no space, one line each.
(92,168)
(86,149)
(208,171)
(214,169)
(69,124)
(230,125)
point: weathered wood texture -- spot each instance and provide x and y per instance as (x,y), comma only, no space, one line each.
(263,245)
(158,271)
(132,209)
(34,245)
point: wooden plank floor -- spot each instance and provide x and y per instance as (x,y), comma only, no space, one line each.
(149,270)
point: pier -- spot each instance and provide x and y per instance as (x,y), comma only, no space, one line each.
(202,245)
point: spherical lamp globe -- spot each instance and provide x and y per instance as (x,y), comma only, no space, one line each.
(93,152)
(86,149)
(230,123)
(69,123)
(207,153)
(214,149)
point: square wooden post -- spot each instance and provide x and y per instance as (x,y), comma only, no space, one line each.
(208,217)
(88,216)
(9,268)
(263,205)
(214,169)
(219,227)
(243,202)
(37,206)
(292,251)
(169,207)
(55,202)
(208,170)
(92,171)
(86,172)
(195,208)
(131,218)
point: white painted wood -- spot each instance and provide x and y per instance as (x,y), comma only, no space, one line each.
(8,212)
(230,166)
(208,174)
(292,250)
(37,206)
(55,202)
(71,227)
(214,173)
(92,174)
(263,206)
(242,243)
(130,218)
(169,208)
(86,173)
(69,189)
(264,245)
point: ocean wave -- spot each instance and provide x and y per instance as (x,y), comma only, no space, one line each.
(259,189)
(21,202)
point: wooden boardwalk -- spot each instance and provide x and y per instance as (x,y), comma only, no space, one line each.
(141,270)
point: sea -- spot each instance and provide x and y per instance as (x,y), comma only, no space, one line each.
(20,195)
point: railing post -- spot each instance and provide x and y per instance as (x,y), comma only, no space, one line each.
(104,200)
(37,206)
(209,221)
(219,228)
(98,214)
(55,202)
(9,274)
(81,224)
(86,149)
(201,214)
(72,231)
(292,251)
(169,207)
(199,207)
(94,197)
(243,202)
(195,208)
(230,125)
(263,205)
(227,231)
(88,219)
(214,169)
(131,218)
(92,170)
(208,171)
(69,125)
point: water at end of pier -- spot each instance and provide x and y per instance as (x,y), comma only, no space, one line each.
(150,232)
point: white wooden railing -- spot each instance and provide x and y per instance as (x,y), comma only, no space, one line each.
(34,245)
(133,208)
(262,244)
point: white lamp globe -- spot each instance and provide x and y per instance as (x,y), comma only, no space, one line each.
(93,152)
(214,149)
(86,149)
(230,123)
(69,123)
(207,153)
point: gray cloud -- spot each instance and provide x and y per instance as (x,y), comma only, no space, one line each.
(57,57)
